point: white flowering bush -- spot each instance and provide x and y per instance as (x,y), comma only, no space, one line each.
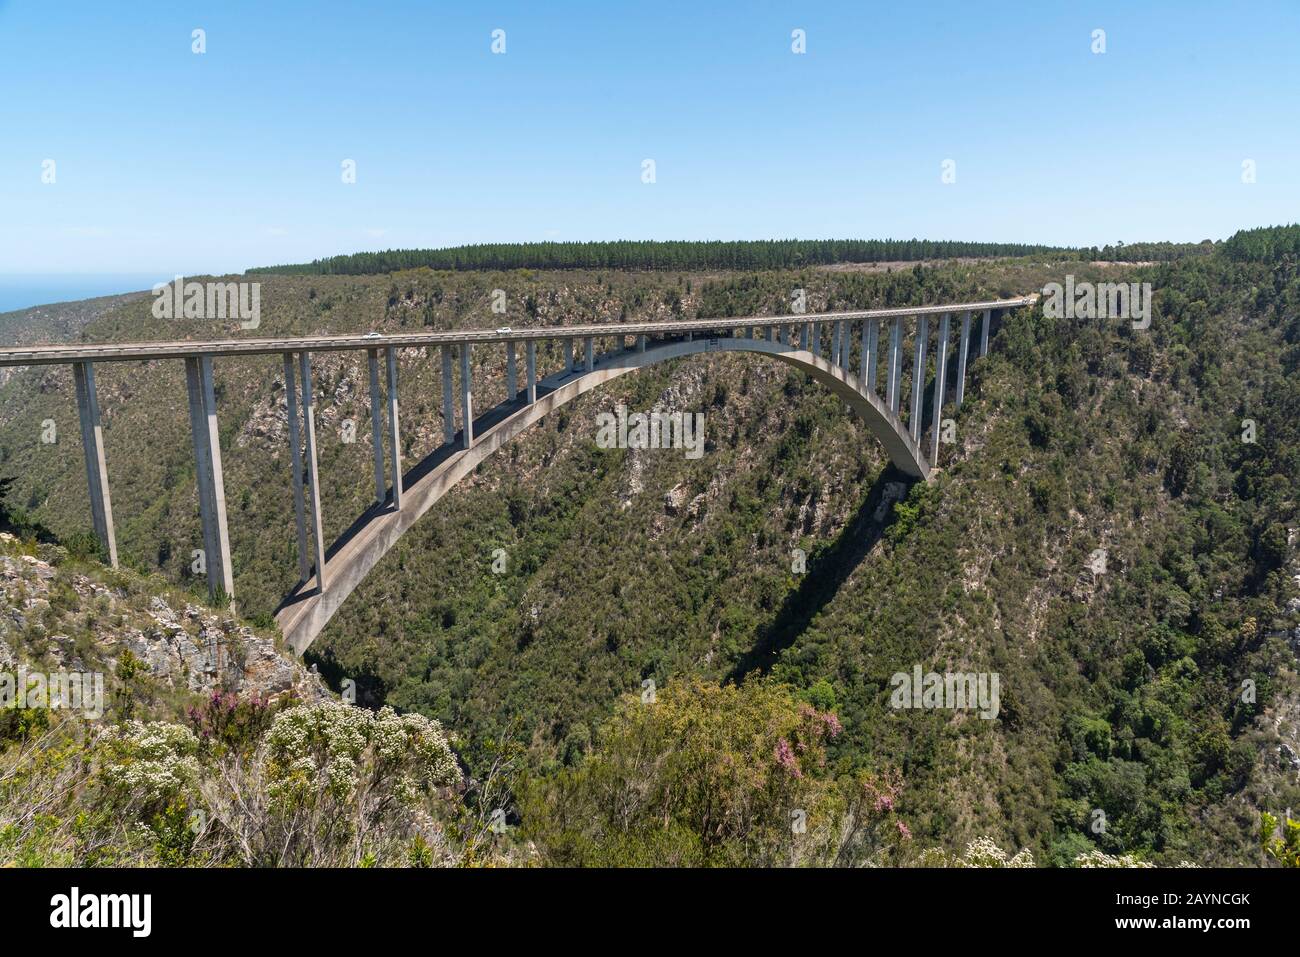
(325,785)
(343,749)
(1095,858)
(148,765)
(983,852)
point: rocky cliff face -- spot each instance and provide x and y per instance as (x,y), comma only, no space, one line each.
(59,615)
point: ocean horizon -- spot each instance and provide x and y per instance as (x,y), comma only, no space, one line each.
(23,291)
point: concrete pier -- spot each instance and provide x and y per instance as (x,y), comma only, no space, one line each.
(92,444)
(209,478)
(467,400)
(530,370)
(313,468)
(377,425)
(895,359)
(963,347)
(940,381)
(870,332)
(394,436)
(918,377)
(448,399)
(295,460)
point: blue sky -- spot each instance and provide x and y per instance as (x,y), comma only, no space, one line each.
(168,161)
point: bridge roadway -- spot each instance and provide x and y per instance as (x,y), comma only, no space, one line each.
(63,354)
(328,572)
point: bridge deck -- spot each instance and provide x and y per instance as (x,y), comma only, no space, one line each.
(194,348)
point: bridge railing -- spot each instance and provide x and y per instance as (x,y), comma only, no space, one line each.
(803,332)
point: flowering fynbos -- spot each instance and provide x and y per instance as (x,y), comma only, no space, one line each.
(149,763)
(785,758)
(340,746)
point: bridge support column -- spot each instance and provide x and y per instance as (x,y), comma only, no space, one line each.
(589,354)
(785,335)
(940,381)
(837,342)
(448,400)
(963,347)
(394,437)
(984,332)
(771,333)
(815,332)
(92,444)
(467,400)
(640,343)
(918,376)
(377,425)
(803,336)
(295,455)
(313,468)
(530,369)
(568,355)
(512,384)
(867,375)
(210,481)
(895,360)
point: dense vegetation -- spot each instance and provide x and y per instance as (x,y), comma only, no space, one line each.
(1278,244)
(1152,252)
(1123,689)
(628,254)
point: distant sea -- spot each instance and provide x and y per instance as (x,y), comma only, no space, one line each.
(35,289)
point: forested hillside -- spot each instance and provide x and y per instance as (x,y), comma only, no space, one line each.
(1122,688)
(642,254)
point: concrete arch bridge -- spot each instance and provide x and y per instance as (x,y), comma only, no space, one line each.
(858,355)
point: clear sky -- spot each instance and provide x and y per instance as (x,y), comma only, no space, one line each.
(171,161)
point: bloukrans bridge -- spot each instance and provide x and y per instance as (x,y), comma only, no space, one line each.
(821,344)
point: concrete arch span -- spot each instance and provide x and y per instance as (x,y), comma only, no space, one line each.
(306,611)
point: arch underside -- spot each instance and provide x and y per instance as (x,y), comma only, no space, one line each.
(306,611)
